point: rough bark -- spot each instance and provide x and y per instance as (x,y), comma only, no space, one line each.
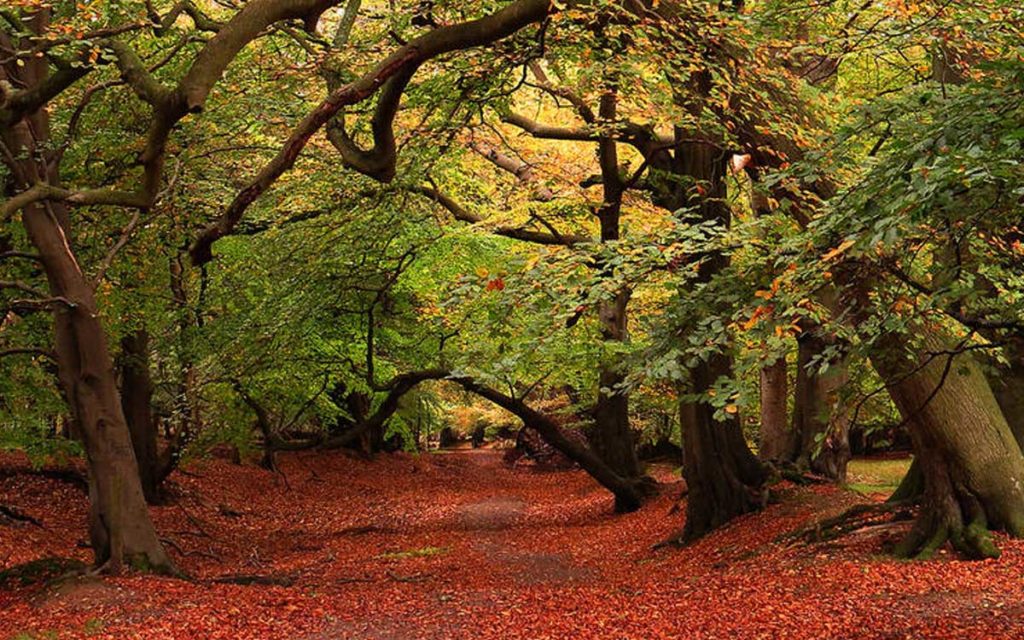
(778,442)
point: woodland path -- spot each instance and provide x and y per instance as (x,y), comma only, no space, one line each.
(457,545)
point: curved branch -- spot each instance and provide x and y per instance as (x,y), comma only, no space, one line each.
(20,104)
(629,492)
(402,62)
(522,170)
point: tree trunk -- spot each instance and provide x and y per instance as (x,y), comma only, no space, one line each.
(136,403)
(821,425)
(1007,382)
(612,437)
(911,487)
(972,466)
(120,529)
(188,421)
(723,477)
(778,441)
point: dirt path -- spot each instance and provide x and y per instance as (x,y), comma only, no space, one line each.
(457,545)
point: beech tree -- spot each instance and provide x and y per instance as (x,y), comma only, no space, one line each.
(120,528)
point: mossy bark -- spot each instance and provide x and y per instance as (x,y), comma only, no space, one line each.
(971,464)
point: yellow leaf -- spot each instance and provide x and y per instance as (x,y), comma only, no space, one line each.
(731,409)
(843,246)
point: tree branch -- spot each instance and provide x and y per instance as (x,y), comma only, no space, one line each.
(516,233)
(402,63)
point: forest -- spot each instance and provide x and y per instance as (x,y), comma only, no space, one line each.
(511,319)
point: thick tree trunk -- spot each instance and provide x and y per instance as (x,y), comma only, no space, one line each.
(821,424)
(778,441)
(1007,382)
(972,466)
(724,478)
(137,405)
(120,529)
(612,437)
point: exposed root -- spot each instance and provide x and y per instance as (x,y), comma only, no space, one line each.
(643,488)
(17,515)
(254,579)
(858,517)
(930,533)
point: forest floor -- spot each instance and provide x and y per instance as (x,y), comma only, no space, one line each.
(458,545)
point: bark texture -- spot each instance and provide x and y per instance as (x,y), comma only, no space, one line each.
(971,464)
(778,441)
(137,404)
(820,422)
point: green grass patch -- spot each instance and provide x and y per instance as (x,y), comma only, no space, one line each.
(876,475)
(92,626)
(422,552)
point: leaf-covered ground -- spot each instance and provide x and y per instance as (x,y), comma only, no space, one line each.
(457,545)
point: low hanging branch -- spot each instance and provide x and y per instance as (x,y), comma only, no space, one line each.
(629,493)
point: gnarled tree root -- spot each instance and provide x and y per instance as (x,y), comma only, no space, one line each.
(853,519)
(934,528)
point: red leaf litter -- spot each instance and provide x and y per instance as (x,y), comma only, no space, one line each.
(457,545)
